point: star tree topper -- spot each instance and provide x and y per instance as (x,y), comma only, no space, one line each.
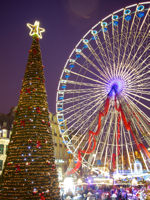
(35,30)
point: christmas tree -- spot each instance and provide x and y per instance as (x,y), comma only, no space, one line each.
(30,171)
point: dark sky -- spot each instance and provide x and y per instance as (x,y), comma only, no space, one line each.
(65,21)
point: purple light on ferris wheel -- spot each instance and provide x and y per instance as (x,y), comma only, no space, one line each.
(115,87)
(89,180)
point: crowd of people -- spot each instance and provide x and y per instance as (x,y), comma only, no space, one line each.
(107,193)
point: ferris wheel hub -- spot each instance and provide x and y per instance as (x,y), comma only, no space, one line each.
(115,87)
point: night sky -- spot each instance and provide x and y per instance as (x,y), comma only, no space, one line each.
(65,21)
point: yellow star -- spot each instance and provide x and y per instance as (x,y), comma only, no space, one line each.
(35,30)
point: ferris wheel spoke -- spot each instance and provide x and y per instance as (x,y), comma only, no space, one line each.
(139,119)
(132,38)
(87,128)
(130,96)
(79,91)
(137,109)
(82,104)
(137,64)
(123,43)
(90,71)
(138,72)
(83,84)
(122,146)
(140,82)
(145,81)
(127,150)
(100,143)
(102,73)
(139,51)
(116,49)
(86,77)
(139,91)
(106,140)
(142,33)
(142,78)
(82,97)
(81,115)
(109,51)
(99,61)
(102,53)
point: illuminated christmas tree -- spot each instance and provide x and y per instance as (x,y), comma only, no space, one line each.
(30,171)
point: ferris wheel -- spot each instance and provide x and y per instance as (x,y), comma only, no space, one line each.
(103,96)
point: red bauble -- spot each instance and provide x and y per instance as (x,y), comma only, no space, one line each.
(22,123)
(48,162)
(10,163)
(18,168)
(38,144)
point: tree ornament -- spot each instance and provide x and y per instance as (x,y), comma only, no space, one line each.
(30,120)
(22,123)
(35,30)
(28,163)
(35,191)
(48,162)
(42,196)
(38,144)
(10,163)
(17,168)
(43,121)
(28,90)
(14,122)
(38,110)
(46,141)
(34,51)
(29,140)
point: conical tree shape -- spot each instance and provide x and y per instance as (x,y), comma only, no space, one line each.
(30,171)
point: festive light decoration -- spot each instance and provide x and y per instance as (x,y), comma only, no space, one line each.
(35,30)
(30,171)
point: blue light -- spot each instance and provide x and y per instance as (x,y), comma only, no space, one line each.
(115,87)
(85,46)
(61,98)
(67,76)
(63,86)
(104,29)
(140,14)
(59,109)
(78,55)
(71,66)
(128,17)
(115,23)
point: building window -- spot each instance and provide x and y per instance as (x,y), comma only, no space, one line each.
(1,164)
(5,133)
(6,148)
(1,148)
